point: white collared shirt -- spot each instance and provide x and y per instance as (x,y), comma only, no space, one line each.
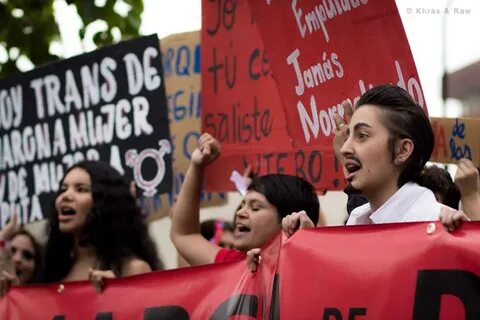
(409,204)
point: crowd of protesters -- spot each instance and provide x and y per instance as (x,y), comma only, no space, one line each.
(97,231)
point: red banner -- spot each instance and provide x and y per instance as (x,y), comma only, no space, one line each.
(323,52)
(413,271)
(241,105)
(219,291)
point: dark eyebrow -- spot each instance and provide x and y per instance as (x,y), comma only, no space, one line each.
(359,125)
(255,201)
(78,184)
(82,184)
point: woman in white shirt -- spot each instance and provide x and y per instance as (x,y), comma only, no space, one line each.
(390,139)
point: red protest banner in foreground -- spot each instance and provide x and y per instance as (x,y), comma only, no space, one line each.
(413,271)
(218,291)
(329,51)
(241,105)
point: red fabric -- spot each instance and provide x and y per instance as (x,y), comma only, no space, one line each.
(241,105)
(227,255)
(187,293)
(330,51)
(398,271)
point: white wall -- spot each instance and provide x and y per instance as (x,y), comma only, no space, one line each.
(334,205)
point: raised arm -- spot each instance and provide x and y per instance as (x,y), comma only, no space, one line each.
(297,220)
(185,230)
(468,181)
(340,132)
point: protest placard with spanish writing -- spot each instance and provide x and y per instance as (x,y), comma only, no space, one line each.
(456,138)
(105,105)
(241,105)
(181,65)
(329,51)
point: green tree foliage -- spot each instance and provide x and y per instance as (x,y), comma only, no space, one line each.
(28,27)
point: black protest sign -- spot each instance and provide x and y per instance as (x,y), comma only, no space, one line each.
(105,105)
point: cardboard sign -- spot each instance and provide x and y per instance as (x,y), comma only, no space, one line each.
(395,271)
(323,52)
(456,138)
(105,105)
(241,105)
(181,65)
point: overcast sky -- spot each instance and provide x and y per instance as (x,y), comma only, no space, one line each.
(423,25)
(424,31)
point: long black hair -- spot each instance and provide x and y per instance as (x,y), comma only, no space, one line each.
(114,227)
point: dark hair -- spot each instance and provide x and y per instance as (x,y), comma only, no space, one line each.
(404,118)
(208,227)
(114,227)
(355,198)
(288,194)
(37,256)
(439,181)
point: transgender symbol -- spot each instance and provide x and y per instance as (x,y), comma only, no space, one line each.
(135,160)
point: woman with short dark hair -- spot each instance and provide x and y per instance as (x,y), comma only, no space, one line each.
(389,140)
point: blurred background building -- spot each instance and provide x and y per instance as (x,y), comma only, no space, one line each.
(464,85)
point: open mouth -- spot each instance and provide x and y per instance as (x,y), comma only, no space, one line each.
(352,166)
(67,211)
(241,229)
